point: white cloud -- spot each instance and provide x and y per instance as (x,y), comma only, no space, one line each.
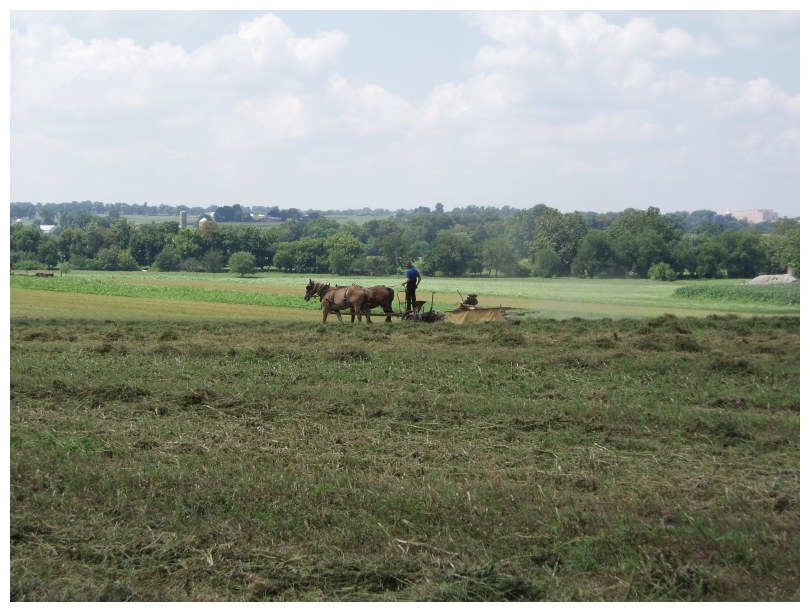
(616,128)
(484,95)
(264,41)
(540,93)
(270,121)
(759,96)
(366,109)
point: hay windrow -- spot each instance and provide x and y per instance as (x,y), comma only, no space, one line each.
(292,461)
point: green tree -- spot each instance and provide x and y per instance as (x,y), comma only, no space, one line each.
(25,238)
(547,263)
(561,232)
(168,260)
(284,258)
(146,241)
(321,227)
(781,247)
(310,255)
(48,252)
(126,261)
(343,253)
(242,263)
(595,257)
(498,254)
(662,272)
(213,258)
(744,256)
(640,238)
(710,257)
(189,243)
(450,254)
(106,259)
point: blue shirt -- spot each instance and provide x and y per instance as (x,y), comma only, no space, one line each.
(413,274)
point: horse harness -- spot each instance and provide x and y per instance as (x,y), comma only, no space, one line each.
(324,289)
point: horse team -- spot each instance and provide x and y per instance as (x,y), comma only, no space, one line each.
(359,300)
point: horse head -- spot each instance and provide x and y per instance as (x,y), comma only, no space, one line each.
(314,288)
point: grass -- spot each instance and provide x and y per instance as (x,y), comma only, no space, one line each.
(263,459)
(787,294)
(272,293)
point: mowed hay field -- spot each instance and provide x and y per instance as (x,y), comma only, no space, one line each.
(249,459)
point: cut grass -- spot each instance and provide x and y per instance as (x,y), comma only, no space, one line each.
(647,460)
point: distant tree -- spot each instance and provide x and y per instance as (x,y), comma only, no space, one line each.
(48,252)
(242,263)
(560,232)
(106,259)
(498,254)
(595,256)
(321,227)
(310,255)
(212,260)
(744,256)
(547,263)
(662,272)
(146,241)
(449,254)
(284,258)
(48,215)
(226,214)
(710,257)
(25,238)
(190,264)
(189,243)
(781,247)
(343,252)
(168,260)
(126,261)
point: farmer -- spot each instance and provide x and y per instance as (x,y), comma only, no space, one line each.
(410,284)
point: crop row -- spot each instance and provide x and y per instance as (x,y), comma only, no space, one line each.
(787,294)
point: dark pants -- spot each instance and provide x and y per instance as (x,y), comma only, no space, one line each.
(410,295)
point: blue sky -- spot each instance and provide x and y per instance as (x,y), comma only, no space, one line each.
(579,110)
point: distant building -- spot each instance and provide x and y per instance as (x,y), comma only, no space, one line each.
(757,215)
(266,219)
(46,229)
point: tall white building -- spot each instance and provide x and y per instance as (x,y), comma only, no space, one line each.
(757,215)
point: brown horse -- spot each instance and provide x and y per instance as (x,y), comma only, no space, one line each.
(335,299)
(381,296)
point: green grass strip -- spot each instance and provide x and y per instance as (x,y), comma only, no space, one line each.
(787,294)
(99,287)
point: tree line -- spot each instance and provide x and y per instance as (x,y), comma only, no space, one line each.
(540,241)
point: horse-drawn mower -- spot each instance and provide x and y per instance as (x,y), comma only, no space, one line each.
(361,301)
(416,313)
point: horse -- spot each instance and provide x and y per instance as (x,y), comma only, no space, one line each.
(382,296)
(335,299)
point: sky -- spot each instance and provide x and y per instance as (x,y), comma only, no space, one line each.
(581,110)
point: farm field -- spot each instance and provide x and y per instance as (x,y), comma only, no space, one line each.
(206,438)
(276,295)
